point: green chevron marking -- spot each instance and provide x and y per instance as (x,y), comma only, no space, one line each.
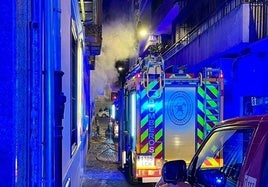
(159,134)
(144,121)
(144,135)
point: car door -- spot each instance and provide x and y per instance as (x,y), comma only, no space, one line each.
(219,161)
(256,170)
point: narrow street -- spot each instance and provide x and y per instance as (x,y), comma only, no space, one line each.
(102,168)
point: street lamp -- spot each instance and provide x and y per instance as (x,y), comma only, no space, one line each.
(142,33)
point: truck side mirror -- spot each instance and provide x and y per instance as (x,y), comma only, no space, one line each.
(174,171)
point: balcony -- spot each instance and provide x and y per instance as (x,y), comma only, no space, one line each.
(91,18)
(227,33)
(93,39)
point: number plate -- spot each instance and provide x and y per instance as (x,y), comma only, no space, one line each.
(145,161)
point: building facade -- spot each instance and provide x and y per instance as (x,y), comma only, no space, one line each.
(230,35)
(45,101)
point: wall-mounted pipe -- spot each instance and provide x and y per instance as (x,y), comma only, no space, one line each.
(58,94)
(48,94)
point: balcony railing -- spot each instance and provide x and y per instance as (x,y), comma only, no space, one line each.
(259,18)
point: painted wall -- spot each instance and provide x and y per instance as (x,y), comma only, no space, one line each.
(7,94)
(245,77)
(72,162)
(22,113)
(66,34)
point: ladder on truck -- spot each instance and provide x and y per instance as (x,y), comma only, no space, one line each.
(153,76)
(212,83)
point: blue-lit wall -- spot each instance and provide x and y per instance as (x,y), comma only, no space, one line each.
(245,77)
(21,49)
(251,75)
(7,95)
(16,55)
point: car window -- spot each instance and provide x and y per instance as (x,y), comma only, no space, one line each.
(220,160)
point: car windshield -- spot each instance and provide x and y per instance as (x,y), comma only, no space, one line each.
(220,160)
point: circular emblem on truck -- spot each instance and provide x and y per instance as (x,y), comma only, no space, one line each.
(180,108)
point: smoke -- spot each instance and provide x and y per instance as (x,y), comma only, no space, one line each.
(118,44)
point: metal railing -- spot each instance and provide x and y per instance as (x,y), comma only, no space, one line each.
(258,17)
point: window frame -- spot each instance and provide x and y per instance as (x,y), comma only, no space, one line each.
(192,170)
(73,72)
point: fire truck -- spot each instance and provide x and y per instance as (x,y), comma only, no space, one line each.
(165,116)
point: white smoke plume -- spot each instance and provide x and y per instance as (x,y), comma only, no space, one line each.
(118,43)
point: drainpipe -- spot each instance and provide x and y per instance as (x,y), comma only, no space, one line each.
(60,99)
(48,95)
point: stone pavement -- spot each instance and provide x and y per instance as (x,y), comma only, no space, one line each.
(107,152)
(102,167)
(102,161)
(106,147)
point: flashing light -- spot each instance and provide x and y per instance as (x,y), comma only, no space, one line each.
(114,96)
(219,180)
(113,111)
(221,75)
(133,114)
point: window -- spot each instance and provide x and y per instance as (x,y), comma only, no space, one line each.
(73,89)
(220,160)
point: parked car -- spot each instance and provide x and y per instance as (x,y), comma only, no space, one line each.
(235,153)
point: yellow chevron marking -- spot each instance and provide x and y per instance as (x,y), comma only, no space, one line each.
(158,149)
(145,148)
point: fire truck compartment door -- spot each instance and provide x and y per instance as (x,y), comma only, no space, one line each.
(179,130)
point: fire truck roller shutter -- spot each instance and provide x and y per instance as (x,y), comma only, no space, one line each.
(180,114)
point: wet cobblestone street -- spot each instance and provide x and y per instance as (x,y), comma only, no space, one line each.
(102,168)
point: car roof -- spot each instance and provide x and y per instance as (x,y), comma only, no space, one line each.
(245,120)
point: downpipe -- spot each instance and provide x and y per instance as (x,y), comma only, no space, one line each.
(52,93)
(60,98)
(48,95)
